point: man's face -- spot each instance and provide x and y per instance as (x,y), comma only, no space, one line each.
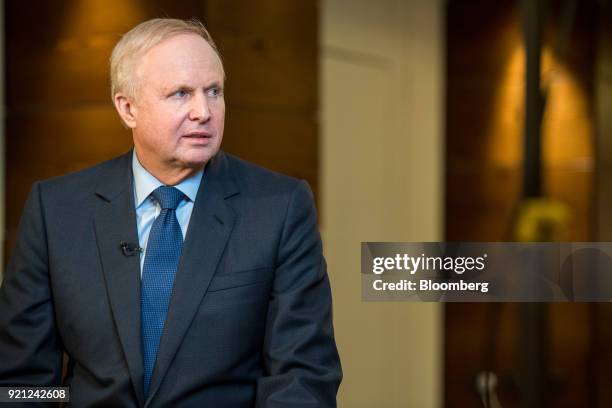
(178,108)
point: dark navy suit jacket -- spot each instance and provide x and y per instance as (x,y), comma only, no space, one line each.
(249,322)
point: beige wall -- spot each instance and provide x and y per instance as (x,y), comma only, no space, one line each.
(381,180)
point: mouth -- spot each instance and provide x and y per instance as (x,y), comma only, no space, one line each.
(198,135)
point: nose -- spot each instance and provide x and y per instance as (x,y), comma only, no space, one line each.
(199,110)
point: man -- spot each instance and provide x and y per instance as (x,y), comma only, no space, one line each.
(175,275)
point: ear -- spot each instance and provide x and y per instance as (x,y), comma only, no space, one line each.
(126,109)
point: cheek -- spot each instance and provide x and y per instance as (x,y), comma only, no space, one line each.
(220,119)
(159,132)
(219,116)
(160,118)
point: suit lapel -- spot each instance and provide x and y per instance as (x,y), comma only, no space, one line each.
(115,221)
(210,226)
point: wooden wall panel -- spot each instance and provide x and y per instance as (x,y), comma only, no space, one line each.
(269,48)
(57,53)
(485,103)
(483,145)
(288,148)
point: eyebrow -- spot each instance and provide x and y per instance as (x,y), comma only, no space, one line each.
(186,87)
(214,85)
(174,88)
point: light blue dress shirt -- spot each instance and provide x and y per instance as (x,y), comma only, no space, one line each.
(147,208)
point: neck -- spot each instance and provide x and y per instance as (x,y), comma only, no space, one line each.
(172,178)
(169,176)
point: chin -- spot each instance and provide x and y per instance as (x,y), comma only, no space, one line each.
(198,159)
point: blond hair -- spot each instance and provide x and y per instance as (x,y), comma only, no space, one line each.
(142,38)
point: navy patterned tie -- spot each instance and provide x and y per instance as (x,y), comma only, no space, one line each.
(161,261)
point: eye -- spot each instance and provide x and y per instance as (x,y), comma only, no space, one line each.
(181,93)
(214,92)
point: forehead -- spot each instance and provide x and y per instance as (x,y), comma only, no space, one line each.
(182,57)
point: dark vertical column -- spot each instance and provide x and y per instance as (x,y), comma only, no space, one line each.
(532,379)
(532,315)
(532,26)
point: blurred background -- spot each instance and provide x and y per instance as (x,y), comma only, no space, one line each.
(412,120)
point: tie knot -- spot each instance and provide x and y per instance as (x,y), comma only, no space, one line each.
(168,197)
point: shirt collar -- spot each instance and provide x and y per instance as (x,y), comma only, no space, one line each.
(145,182)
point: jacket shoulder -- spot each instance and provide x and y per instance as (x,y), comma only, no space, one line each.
(85,180)
(256,179)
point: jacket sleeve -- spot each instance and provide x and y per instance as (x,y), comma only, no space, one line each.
(30,354)
(300,354)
